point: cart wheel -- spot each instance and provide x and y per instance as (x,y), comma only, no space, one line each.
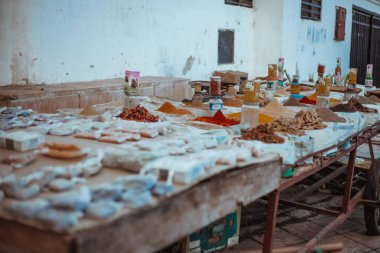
(372,214)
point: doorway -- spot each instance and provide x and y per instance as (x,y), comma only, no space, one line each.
(365,43)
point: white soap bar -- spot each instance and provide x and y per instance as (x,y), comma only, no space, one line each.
(21,140)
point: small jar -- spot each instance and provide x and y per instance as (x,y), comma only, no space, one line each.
(215,86)
(295,89)
(352,77)
(272,72)
(197,99)
(321,70)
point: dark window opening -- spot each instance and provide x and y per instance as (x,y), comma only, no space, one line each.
(226,42)
(244,3)
(311,9)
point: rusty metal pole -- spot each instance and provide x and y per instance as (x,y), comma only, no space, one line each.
(348,187)
(270,224)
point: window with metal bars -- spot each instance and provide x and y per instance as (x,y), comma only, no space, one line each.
(244,3)
(311,9)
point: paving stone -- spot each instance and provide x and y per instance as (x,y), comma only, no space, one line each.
(349,246)
(282,238)
(245,244)
(316,197)
(305,230)
(348,226)
(360,236)
(358,215)
(299,214)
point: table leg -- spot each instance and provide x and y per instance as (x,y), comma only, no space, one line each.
(270,224)
(348,187)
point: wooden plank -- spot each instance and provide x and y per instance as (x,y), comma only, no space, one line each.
(155,228)
(18,238)
(173,219)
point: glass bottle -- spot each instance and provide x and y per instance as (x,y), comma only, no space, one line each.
(369,77)
(197,98)
(295,88)
(269,93)
(250,110)
(215,103)
(338,69)
(352,78)
(280,70)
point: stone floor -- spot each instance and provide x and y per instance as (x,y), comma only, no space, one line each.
(296,227)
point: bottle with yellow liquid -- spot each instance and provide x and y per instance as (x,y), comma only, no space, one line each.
(323,92)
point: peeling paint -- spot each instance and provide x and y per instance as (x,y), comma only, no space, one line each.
(188,65)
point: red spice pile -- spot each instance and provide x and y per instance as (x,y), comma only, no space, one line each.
(218,119)
(139,113)
(306,100)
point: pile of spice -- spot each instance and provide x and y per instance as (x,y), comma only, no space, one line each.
(263,119)
(353,105)
(307,100)
(313,98)
(264,133)
(374,98)
(292,102)
(169,108)
(281,92)
(329,116)
(284,125)
(218,119)
(364,100)
(275,110)
(139,113)
(233,103)
(309,121)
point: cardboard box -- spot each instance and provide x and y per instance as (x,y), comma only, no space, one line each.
(221,234)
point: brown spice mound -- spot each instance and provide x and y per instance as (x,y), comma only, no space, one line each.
(374,98)
(292,102)
(139,113)
(288,126)
(309,121)
(329,116)
(353,105)
(169,108)
(364,100)
(342,108)
(263,133)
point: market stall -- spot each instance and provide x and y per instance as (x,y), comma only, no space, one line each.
(136,179)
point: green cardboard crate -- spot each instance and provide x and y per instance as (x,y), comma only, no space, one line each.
(219,235)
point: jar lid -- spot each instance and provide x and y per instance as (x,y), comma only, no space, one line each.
(216,78)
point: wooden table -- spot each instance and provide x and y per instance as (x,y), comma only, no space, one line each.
(349,202)
(151,228)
